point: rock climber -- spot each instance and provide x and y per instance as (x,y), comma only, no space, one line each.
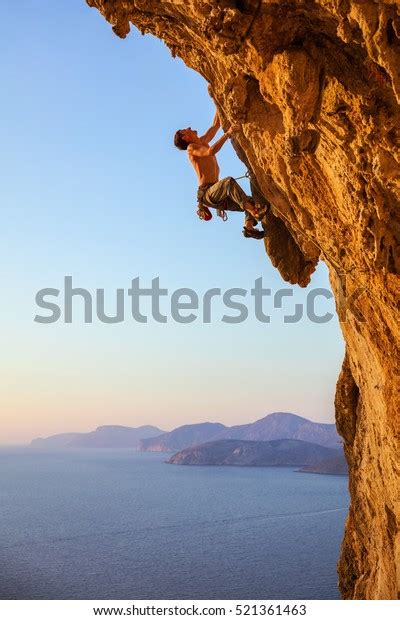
(225,194)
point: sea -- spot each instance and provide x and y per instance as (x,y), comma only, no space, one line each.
(104,524)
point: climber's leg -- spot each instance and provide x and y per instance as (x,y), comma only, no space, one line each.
(229,189)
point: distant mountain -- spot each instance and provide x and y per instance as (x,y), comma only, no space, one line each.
(273,426)
(102,437)
(182,437)
(277,452)
(334,466)
(285,426)
(152,439)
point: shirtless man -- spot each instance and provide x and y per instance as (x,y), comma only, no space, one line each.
(227,193)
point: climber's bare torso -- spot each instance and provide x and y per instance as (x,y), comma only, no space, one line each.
(206,168)
(202,156)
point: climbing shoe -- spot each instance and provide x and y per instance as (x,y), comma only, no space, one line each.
(253,233)
(260,210)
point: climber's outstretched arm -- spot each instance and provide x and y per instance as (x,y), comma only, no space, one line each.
(197,150)
(210,133)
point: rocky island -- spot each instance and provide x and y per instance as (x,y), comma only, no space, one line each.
(278,452)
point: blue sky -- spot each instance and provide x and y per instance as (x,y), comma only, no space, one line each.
(93,188)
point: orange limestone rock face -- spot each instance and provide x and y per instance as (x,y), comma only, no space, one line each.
(315,85)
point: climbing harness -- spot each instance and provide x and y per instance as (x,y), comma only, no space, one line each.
(222,214)
(204,212)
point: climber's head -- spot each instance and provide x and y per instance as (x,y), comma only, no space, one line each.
(184,137)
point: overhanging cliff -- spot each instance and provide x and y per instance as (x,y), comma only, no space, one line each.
(315,85)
